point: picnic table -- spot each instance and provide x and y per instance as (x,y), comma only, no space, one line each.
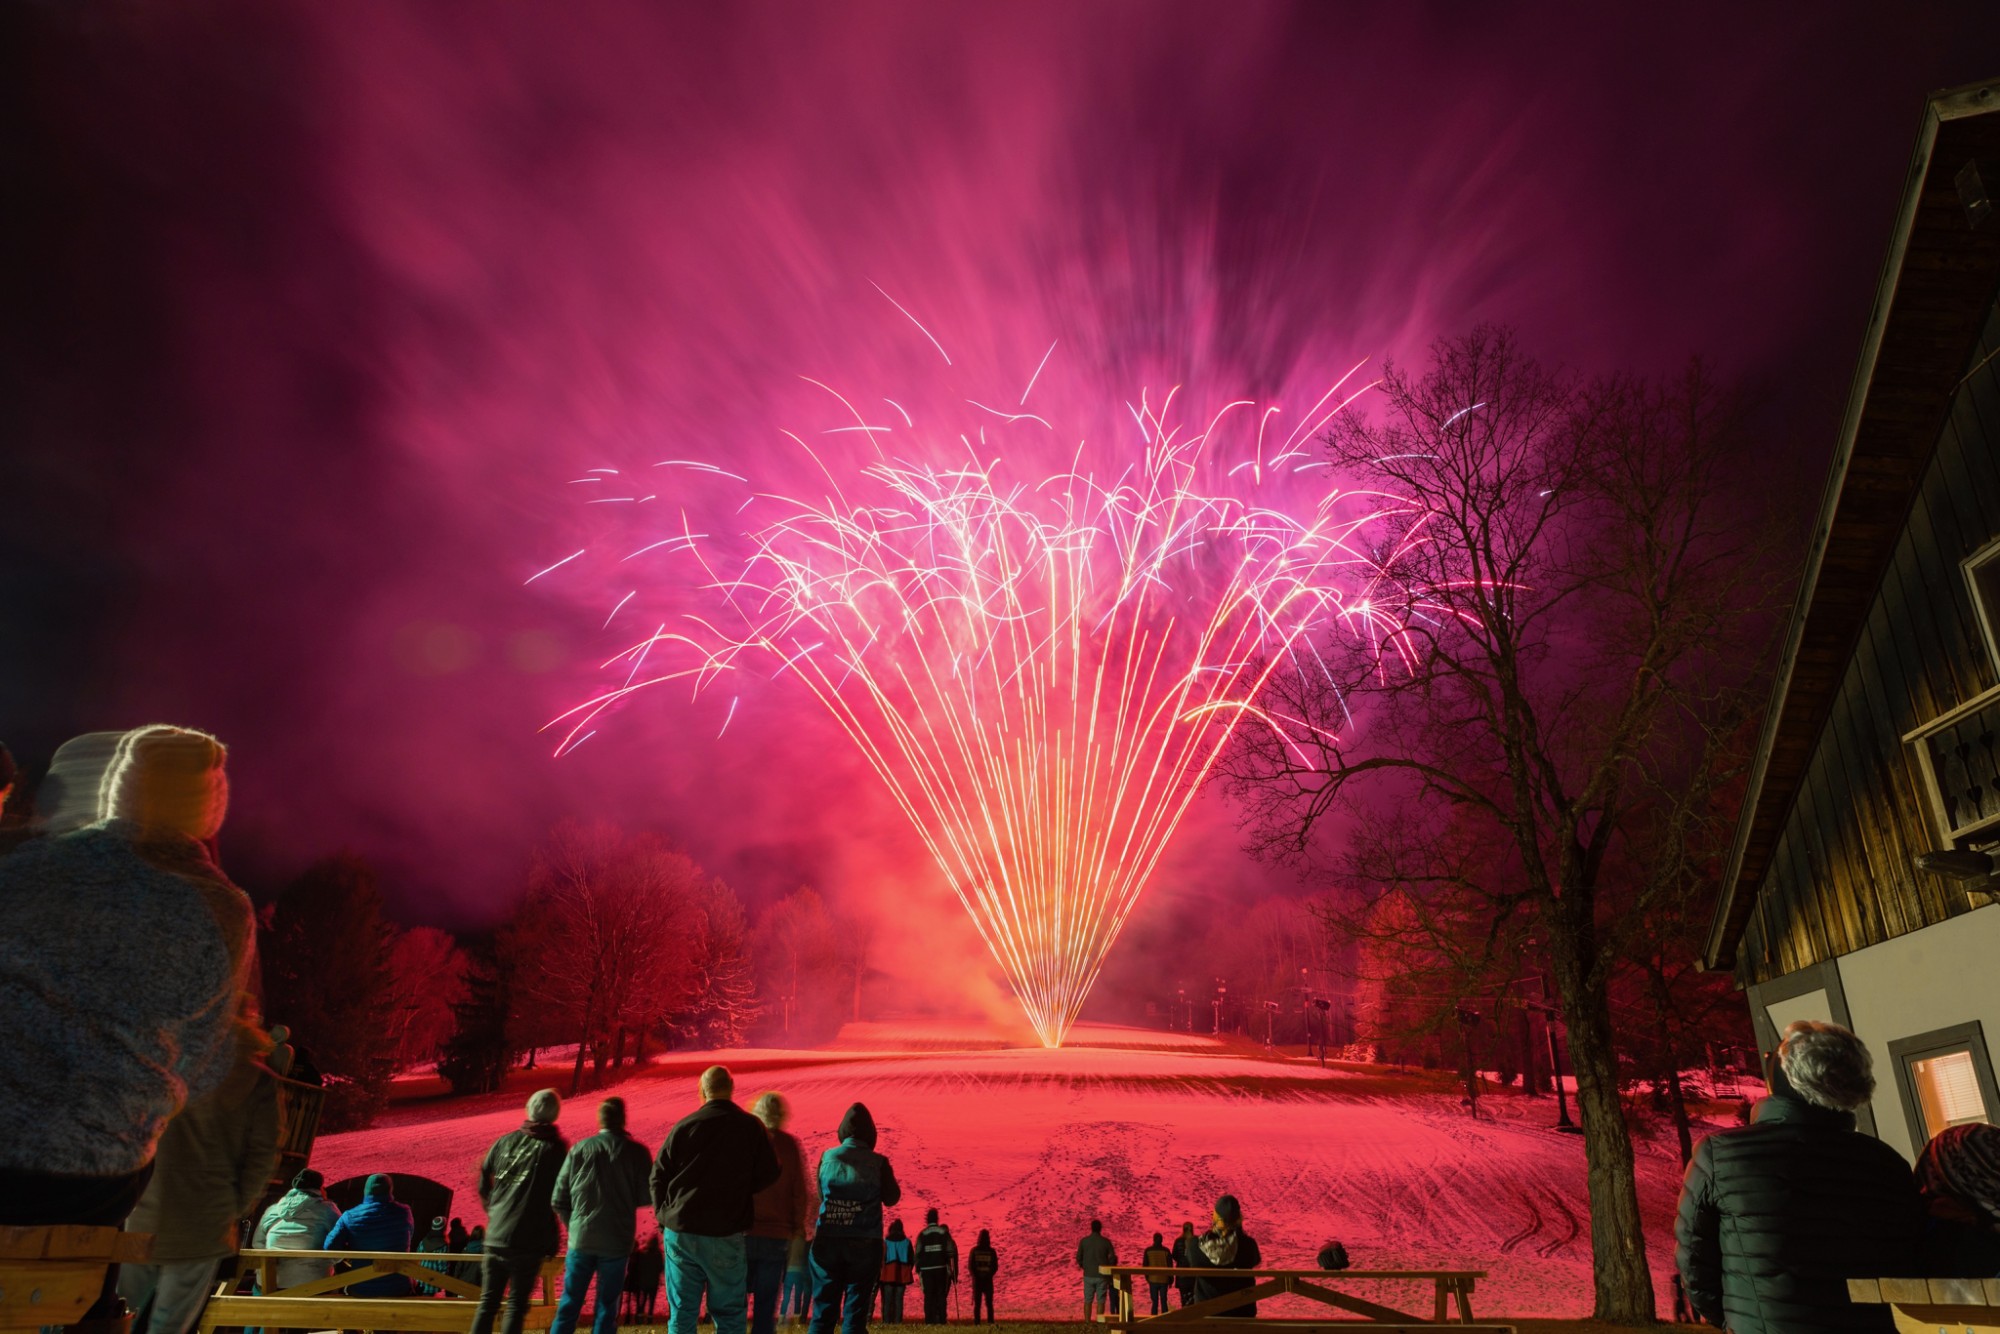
(1449,1288)
(52,1275)
(319,1303)
(1934,1305)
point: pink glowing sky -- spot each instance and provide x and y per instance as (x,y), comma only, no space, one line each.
(321,306)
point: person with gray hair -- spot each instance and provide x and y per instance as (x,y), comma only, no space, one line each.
(1777,1215)
(517,1184)
(711,1166)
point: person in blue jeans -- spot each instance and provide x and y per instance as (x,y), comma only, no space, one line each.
(796,1294)
(711,1166)
(599,1192)
(845,1258)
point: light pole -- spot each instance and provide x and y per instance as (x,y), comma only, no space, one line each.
(1555,1060)
(1221,990)
(1563,1123)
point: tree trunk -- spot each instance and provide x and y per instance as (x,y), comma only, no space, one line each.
(1624,1285)
(639,1047)
(1681,1127)
(1534,1078)
(576,1075)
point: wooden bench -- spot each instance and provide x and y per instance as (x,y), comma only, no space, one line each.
(1449,1288)
(319,1303)
(52,1275)
(1933,1305)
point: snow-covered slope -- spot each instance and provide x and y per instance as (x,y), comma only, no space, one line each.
(1143,1132)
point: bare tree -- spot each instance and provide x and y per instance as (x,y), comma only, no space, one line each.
(1562,583)
(796,945)
(718,1000)
(600,930)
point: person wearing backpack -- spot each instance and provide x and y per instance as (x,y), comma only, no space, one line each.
(898,1269)
(982,1262)
(517,1186)
(1158,1259)
(937,1267)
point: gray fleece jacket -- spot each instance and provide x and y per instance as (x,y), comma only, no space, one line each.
(118,989)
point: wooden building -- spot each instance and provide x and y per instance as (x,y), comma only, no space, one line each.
(1882,742)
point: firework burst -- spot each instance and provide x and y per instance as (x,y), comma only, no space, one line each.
(1041,669)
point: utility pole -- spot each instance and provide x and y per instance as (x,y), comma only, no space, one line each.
(1563,1122)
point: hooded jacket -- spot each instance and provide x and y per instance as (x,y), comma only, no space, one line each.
(214,1163)
(781,1208)
(378,1223)
(714,1160)
(517,1184)
(855,1182)
(1244,1254)
(600,1191)
(1777,1216)
(299,1221)
(119,982)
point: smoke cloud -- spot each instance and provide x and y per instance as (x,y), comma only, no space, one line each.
(322,307)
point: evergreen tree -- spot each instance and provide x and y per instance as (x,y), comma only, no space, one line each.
(476,1056)
(327,976)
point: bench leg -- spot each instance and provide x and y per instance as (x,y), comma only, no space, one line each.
(1463,1290)
(1438,1307)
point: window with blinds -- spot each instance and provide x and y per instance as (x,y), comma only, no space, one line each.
(1947,1088)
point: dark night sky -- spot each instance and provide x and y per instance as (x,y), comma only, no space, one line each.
(310,309)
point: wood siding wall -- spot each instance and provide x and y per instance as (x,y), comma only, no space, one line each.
(1842,875)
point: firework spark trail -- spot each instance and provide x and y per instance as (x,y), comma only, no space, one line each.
(1041,675)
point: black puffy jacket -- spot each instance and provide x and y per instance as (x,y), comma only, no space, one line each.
(1777,1216)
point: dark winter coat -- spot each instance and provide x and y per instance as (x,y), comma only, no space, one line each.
(982,1262)
(1953,1249)
(1182,1281)
(600,1191)
(1777,1216)
(1247,1256)
(780,1209)
(712,1164)
(937,1251)
(517,1185)
(378,1223)
(855,1182)
(1094,1250)
(1158,1257)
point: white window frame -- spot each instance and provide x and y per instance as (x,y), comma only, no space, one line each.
(1983,831)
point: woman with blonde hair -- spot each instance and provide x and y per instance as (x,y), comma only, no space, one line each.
(781,1210)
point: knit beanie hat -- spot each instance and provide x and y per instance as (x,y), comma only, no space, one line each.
(1963,1164)
(169,779)
(379,1187)
(545,1106)
(72,790)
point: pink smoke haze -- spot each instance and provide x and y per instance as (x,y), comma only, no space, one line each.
(337,300)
